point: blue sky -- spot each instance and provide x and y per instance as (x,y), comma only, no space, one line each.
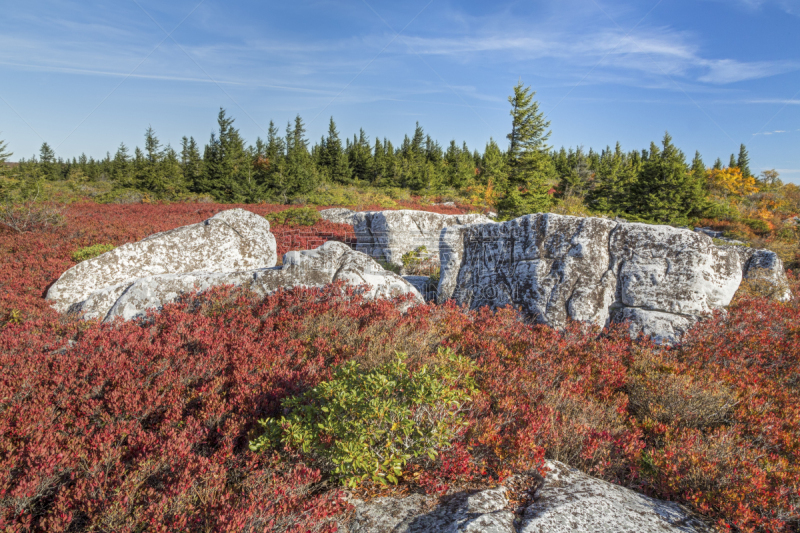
(87,75)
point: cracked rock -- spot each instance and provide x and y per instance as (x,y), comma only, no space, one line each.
(387,235)
(230,241)
(557,268)
(480,512)
(570,501)
(331,262)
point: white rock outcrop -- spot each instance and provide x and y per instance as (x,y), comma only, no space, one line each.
(566,501)
(387,235)
(338,215)
(232,240)
(482,512)
(570,501)
(331,262)
(555,268)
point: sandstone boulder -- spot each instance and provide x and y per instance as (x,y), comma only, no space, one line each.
(570,500)
(481,512)
(232,240)
(555,268)
(567,500)
(338,215)
(333,261)
(387,235)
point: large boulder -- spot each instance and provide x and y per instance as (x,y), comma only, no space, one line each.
(556,268)
(331,262)
(567,500)
(481,512)
(570,500)
(387,235)
(232,240)
(338,215)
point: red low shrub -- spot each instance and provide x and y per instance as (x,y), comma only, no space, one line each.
(144,425)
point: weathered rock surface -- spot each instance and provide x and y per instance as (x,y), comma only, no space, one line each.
(387,235)
(338,215)
(482,512)
(232,240)
(556,267)
(570,501)
(567,501)
(423,285)
(333,261)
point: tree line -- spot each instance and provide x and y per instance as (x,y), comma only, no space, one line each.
(526,176)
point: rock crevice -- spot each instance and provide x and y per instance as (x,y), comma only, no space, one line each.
(556,268)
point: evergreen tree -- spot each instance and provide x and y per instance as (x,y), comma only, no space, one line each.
(227,172)
(360,157)
(120,167)
(333,159)
(460,167)
(530,168)
(732,162)
(191,163)
(666,191)
(150,174)
(699,170)
(47,161)
(295,173)
(718,164)
(494,165)
(743,162)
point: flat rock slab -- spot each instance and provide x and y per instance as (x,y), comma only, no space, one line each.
(480,512)
(331,262)
(387,235)
(557,268)
(232,240)
(571,501)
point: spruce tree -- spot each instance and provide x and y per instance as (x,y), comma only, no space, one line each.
(47,161)
(718,164)
(494,166)
(530,169)
(666,191)
(191,163)
(121,173)
(743,162)
(333,158)
(699,170)
(360,157)
(732,162)
(295,173)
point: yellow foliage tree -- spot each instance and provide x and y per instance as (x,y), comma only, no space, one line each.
(731,181)
(483,195)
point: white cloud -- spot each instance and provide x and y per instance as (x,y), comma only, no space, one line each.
(722,71)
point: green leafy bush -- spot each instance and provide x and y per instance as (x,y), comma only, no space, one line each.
(369,425)
(90,252)
(295,216)
(419,262)
(759,226)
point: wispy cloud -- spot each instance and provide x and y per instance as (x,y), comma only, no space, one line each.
(722,71)
(770,132)
(773,101)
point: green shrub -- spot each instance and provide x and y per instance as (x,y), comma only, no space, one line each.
(757,225)
(369,425)
(419,262)
(295,216)
(90,252)
(788,234)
